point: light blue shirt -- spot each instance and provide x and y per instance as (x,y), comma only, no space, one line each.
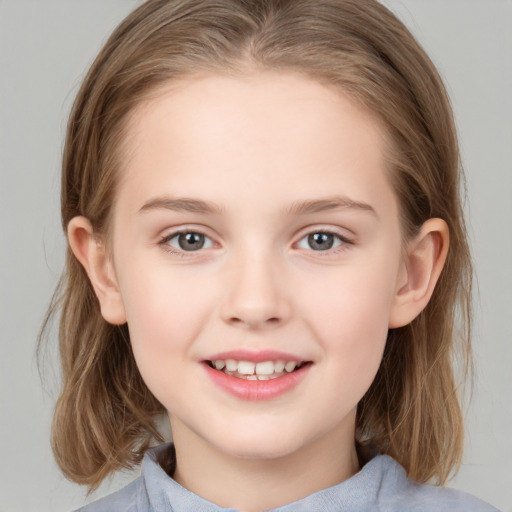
(381,485)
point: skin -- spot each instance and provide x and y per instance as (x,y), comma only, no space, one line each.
(254,146)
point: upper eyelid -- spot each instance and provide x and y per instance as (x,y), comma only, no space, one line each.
(342,232)
(172,232)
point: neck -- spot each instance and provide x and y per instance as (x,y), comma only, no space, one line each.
(253,485)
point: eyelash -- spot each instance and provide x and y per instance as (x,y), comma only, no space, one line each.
(345,241)
(164,242)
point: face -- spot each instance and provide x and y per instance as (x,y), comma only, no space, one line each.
(255,222)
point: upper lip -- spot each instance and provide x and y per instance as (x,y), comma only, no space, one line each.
(255,356)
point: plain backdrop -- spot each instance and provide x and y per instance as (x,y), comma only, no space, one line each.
(45,48)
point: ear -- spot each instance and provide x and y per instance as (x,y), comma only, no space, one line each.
(423,262)
(91,252)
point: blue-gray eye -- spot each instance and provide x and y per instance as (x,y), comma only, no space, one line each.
(189,241)
(320,241)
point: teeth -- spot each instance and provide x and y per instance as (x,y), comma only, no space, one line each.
(246,367)
(231,365)
(290,366)
(264,370)
(279,366)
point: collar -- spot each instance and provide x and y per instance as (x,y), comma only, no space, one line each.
(355,494)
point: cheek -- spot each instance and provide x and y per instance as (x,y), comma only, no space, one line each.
(349,314)
(157,299)
(165,314)
(351,299)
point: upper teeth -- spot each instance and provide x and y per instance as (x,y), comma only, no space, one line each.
(270,368)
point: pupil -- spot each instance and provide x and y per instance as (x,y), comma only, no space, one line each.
(321,241)
(191,241)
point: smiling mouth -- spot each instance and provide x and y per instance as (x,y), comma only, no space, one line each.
(248,370)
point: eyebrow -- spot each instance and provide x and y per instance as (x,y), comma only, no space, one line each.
(183,204)
(297,208)
(330,203)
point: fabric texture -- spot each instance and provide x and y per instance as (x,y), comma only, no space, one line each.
(381,485)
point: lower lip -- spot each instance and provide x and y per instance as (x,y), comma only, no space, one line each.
(257,389)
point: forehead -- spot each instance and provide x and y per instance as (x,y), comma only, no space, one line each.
(270,135)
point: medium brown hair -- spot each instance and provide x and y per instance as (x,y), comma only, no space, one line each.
(105,415)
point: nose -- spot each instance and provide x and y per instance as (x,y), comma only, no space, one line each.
(257,296)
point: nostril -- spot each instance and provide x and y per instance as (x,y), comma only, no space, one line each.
(253,321)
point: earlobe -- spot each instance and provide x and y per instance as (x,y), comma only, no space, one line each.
(91,252)
(424,260)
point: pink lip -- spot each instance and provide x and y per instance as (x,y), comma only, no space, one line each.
(255,357)
(257,389)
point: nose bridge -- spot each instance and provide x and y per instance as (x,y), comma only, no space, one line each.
(256,294)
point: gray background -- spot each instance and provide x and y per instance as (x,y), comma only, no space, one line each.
(45,47)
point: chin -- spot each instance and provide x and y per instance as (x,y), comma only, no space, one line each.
(259,446)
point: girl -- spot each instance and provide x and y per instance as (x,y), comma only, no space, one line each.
(266,245)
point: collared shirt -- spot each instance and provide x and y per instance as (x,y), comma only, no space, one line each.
(381,485)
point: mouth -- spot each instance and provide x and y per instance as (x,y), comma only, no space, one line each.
(260,371)
(263,375)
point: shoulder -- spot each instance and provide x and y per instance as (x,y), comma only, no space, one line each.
(141,495)
(125,500)
(397,490)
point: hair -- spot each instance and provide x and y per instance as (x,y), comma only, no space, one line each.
(105,417)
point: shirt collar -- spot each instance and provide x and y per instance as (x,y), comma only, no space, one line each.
(355,494)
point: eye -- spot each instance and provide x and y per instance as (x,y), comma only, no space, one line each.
(322,241)
(187,241)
